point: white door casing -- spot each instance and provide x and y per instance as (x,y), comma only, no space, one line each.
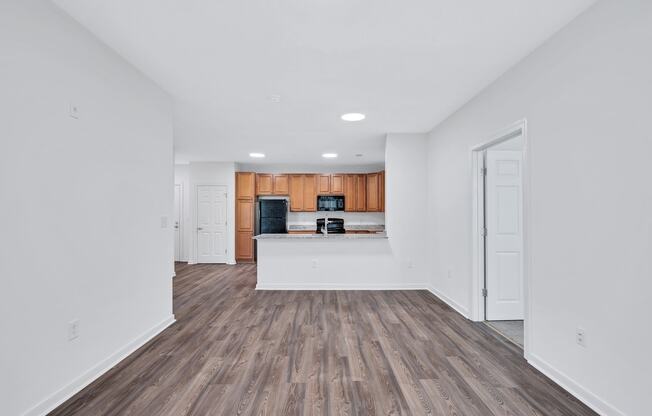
(178,199)
(211,224)
(504,242)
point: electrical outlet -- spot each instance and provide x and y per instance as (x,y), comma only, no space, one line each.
(580,337)
(410,264)
(164,222)
(450,273)
(73,329)
(315,263)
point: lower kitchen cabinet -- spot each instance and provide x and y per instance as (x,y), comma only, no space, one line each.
(244,246)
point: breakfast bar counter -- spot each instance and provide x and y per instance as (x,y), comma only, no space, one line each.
(311,261)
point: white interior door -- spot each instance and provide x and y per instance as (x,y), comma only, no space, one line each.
(211,224)
(504,242)
(177,221)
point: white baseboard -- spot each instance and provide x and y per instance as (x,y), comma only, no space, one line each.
(96,371)
(338,287)
(582,394)
(450,302)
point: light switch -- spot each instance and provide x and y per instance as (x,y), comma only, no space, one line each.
(74,111)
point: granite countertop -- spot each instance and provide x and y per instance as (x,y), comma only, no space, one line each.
(366,236)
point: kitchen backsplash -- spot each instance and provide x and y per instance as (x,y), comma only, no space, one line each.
(350,218)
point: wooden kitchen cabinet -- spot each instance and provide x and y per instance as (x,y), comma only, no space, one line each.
(349,193)
(310,193)
(324,185)
(296,192)
(382,191)
(281,185)
(303,193)
(373,192)
(245,185)
(361,193)
(264,184)
(355,192)
(245,191)
(337,184)
(244,246)
(245,215)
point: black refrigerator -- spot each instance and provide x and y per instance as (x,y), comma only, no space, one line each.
(273,216)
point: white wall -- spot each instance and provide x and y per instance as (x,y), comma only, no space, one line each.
(205,173)
(82,202)
(405,203)
(298,168)
(587,96)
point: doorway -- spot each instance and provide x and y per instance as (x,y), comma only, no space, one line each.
(500,252)
(211,224)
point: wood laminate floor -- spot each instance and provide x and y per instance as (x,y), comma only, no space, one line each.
(236,351)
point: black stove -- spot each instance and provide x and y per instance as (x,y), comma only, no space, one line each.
(334,225)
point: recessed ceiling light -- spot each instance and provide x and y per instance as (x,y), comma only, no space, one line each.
(257,155)
(353,117)
(329,155)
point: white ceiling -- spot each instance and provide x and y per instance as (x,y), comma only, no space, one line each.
(406,64)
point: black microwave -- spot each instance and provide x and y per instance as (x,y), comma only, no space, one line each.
(330,203)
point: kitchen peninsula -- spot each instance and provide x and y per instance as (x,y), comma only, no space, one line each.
(316,261)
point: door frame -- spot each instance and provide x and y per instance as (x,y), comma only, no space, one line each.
(478,223)
(195,221)
(181,227)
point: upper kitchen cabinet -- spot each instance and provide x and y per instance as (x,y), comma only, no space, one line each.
(309,192)
(281,185)
(296,192)
(303,192)
(373,192)
(349,193)
(355,193)
(268,184)
(337,184)
(324,185)
(361,193)
(264,184)
(382,191)
(245,185)
(330,184)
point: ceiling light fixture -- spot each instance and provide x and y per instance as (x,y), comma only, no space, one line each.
(353,117)
(257,155)
(329,155)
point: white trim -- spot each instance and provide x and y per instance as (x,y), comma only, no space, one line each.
(477,302)
(582,394)
(339,287)
(478,253)
(450,302)
(182,229)
(72,388)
